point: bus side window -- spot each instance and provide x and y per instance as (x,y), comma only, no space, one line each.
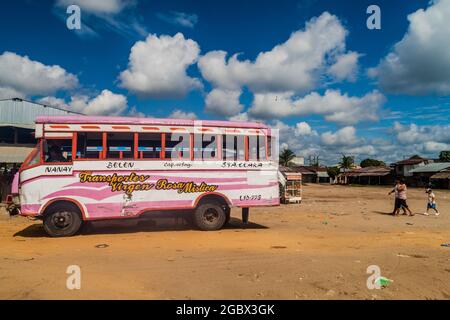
(257,148)
(269,148)
(120,145)
(149,146)
(58,150)
(89,145)
(177,146)
(205,146)
(253,148)
(262,148)
(233,147)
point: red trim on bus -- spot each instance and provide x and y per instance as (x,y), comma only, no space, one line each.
(74,145)
(136,144)
(41,147)
(163,146)
(211,193)
(83,214)
(90,127)
(151,128)
(121,127)
(103,154)
(191,146)
(59,126)
(246,148)
(28,159)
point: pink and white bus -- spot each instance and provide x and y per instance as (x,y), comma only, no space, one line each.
(91,168)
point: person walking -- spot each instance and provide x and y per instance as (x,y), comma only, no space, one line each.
(400,191)
(431,204)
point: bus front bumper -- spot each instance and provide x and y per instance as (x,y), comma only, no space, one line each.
(13,204)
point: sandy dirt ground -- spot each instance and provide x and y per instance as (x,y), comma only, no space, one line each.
(319,249)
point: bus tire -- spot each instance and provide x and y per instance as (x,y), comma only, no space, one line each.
(62,220)
(210,216)
(227,215)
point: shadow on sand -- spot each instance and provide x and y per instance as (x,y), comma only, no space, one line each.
(383,213)
(157,224)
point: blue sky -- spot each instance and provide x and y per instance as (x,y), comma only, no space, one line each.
(310,68)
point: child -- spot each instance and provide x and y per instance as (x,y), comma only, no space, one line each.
(431,202)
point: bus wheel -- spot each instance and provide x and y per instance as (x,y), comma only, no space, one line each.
(62,221)
(228,215)
(210,216)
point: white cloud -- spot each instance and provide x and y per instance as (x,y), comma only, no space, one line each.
(134,112)
(243,116)
(333,105)
(295,65)
(179,114)
(414,133)
(427,141)
(346,67)
(106,103)
(157,67)
(25,77)
(361,151)
(329,146)
(54,102)
(304,129)
(432,146)
(419,64)
(223,102)
(179,18)
(8,93)
(97,7)
(343,137)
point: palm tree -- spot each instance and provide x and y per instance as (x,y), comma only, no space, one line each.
(347,162)
(286,157)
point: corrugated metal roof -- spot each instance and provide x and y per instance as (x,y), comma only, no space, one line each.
(413,160)
(441,175)
(368,172)
(322,174)
(18,112)
(432,167)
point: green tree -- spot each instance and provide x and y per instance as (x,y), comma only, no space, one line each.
(444,156)
(286,157)
(372,163)
(333,172)
(347,162)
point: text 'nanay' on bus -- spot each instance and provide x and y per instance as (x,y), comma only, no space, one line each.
(91,168)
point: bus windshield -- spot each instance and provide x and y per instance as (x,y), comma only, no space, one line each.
(33,158)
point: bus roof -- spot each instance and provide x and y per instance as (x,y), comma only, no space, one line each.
(76,119)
